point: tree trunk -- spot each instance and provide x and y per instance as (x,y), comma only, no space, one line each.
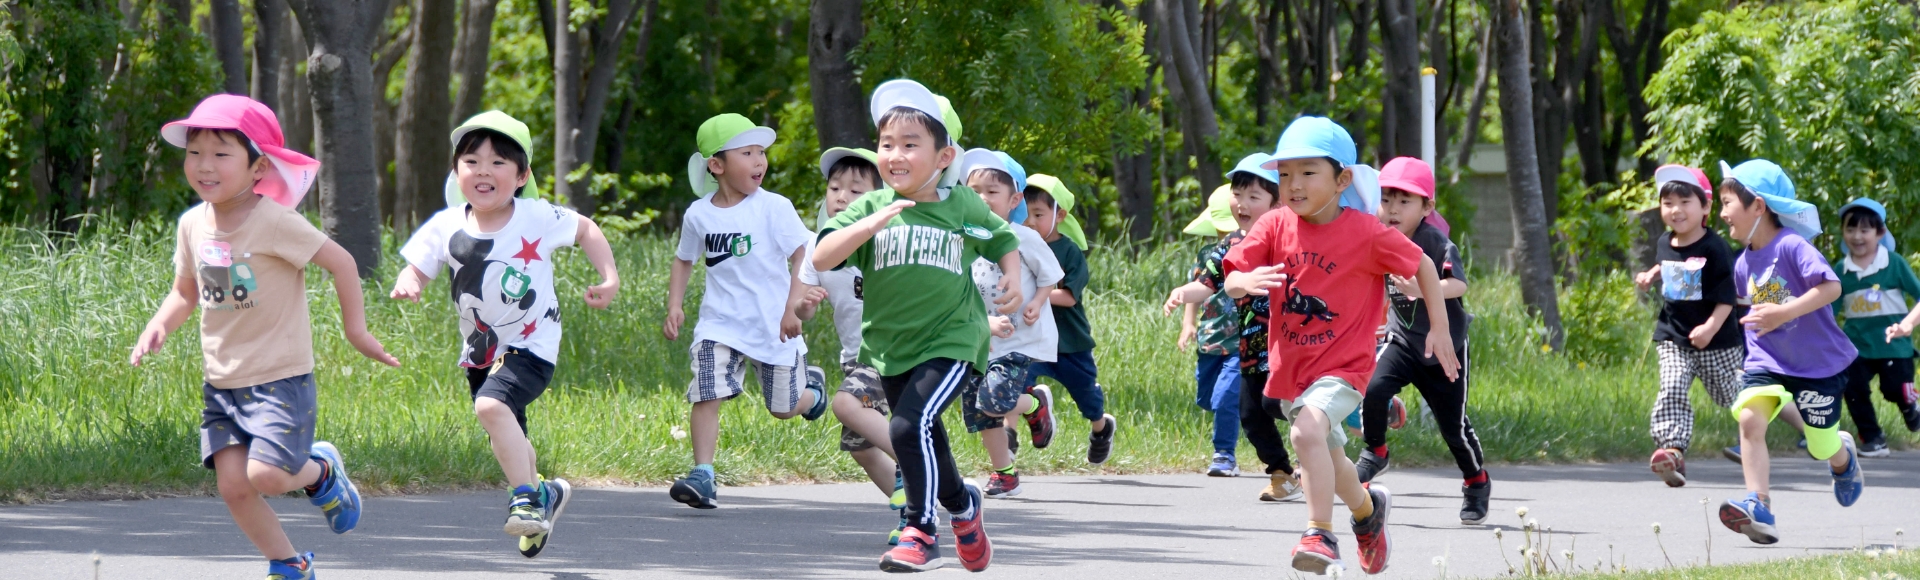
(1586,101)
(1478,104)
(1532,254)
(340,73)
(1638,56)
(1267,69)
(1200,128)
(173,12)
(470,58)
(579,106)
(270,24)
(617,147)
(1400,51)
(1133,173)
(1357,49)
(296,114)
(421,151)
(839,106)
(388,52)
(229,43)
(1549,98)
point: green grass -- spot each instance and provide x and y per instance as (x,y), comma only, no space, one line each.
(1850,565)
(77,421)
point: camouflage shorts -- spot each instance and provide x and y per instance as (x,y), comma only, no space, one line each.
(863,383)
(996,391)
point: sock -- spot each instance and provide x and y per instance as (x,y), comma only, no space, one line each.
(1379,451)
(1008,470)
(707,467)
(1365,510)
(1322,526)
(1478,478)
(325,472)
(1024,399)
(1765,499)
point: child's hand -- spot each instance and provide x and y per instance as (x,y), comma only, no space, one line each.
(1408,286)
(1897,330)
(1261,279)
(878,221)
(1175,300)
(599,295)
(1031,314)
(670,327)
(789,326)
(1644,280)
(150,341)
(369,347)
(1765,317)
(1009,300)
(1001,326)
(813,296)
(1700,336)
(406,288)
(1440,346)
(1187,333)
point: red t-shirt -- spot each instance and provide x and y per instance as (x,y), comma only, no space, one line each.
(1323,319)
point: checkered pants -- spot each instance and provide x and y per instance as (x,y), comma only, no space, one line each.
(1718,370)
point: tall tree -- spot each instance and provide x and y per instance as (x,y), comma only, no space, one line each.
(839,106)
(1638,55)
(470,57)
(1532,252)
(229,43)
(1133,172)
(420,148)
(270,24)
(578,106)
(1400,52)
(340,75)
(1187,83)
(296,102)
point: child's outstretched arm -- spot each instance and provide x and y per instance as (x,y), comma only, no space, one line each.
(593,242)
(1766,316)
(174,310)
(1258,281)
(1439,335)
(1905,326)
(1703,334)
(408,285)
(834,248)
(1039,300)
(676,296)
(802,300)
(1189,294)
(353,312)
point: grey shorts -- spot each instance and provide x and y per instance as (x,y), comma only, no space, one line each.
(274,421)
(720,373)
(863,383)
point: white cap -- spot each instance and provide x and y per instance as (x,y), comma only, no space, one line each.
(981,158)
(903,93)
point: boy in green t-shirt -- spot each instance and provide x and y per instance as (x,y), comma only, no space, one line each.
(924,327)
(1050,212)
(1875,284)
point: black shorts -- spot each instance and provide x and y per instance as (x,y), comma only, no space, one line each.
(516,378)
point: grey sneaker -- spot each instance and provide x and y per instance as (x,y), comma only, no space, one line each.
(695,490)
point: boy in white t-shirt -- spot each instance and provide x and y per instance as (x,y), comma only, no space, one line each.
(1022,333)
(753,244)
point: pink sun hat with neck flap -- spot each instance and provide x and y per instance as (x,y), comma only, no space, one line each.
(1411,175)
(293,172)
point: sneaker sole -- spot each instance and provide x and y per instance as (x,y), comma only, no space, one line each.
(1223,473)
(1053,425)
(1731,456)
(1005,494)
(1383,506)
(1665,468)
(1473,521)
(1739,522)
(1313,563)
(525,528)
(683,493)
(897,566)
(333,455)
(1881,452)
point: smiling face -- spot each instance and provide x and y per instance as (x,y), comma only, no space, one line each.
(1683,212)
(217,168)
(1403,210)
(1310,187)
(1249,203)
(1741,218)
(487,178)
(739,170)
(846,186)
(910,160)
(995,188)
(1862,234)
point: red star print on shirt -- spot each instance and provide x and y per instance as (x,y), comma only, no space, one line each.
(529,251)
(526,331)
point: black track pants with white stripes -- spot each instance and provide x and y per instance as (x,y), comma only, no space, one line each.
(918,397)
(1399,366)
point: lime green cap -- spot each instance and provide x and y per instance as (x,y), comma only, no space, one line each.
(503,124)
(1067,225)
(1218,217)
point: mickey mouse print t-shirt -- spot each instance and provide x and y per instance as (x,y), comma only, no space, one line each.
(745,248)
(1810,346)
(502,281)
(1322,320)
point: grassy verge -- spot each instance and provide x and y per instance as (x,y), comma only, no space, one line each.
(1862,564)
(77,421)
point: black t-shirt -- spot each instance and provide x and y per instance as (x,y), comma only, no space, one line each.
(1693,280)
(1408,324)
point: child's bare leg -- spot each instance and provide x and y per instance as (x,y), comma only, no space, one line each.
(1346,479)
(250,511)
(866,422)
(1754,460)
(1317,471)
(879,467)
(1027,403)
(805,402)
(510,446)
(704,421)
(995,438)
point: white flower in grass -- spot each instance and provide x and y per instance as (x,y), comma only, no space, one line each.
(677,432)
(1520,511)
(1567,555)
(1497,535)
(1533,524)
(1439,561)
(1656,527)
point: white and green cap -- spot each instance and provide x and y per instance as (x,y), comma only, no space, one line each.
(834,155)
(723,132)
(503,124)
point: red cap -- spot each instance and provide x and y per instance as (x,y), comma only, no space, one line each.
(293,172)
(1683,174)
(1416,177)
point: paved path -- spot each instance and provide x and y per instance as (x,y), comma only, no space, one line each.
(1062,527)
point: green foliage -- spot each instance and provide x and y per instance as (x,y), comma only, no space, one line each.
(1829,90)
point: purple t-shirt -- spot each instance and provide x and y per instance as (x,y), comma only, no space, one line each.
(1810,346)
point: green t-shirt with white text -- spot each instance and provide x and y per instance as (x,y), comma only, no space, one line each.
(920,301)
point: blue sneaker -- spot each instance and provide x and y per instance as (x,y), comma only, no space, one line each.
(1223,466)
(302,570)
(1848,484)
(1731,453)
(338,499)
(1751,517)
(816,382)
(695,490)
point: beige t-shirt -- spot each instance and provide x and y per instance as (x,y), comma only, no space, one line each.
(254,327)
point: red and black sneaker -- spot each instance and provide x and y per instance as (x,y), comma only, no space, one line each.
(1040,424)
(917,552)
(970,535)
(1001,485)
(1371,533)
(1318,551)
(1671,465)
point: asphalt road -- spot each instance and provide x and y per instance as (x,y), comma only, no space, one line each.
(1061,527)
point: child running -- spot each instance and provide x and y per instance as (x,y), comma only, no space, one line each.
(1330,261)
(1695,268)
(924,327)
(860,404)
(1796,355)
(498,246)
(1023,333)
(1216,336)
(752,243)
(1050,213)
(1406,205)
(1875,284)
(241,258)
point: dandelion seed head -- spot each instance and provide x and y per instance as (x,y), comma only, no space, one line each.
(1656,527)
(1520,511)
